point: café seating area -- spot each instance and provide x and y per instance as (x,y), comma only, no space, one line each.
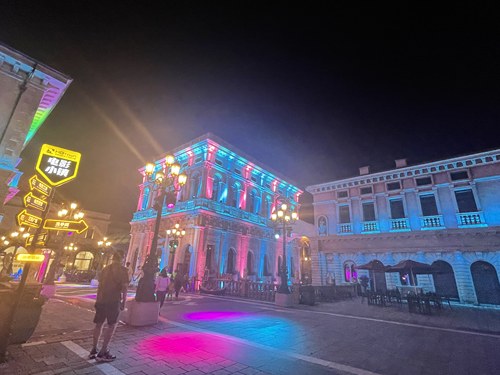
(418,303)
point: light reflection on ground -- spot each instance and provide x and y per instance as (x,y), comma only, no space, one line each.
(194,345)
(217,315)
(130,296)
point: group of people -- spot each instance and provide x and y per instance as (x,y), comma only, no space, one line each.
(167,284)
(114,281)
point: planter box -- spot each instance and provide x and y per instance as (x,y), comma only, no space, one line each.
(283,299)
(139,314)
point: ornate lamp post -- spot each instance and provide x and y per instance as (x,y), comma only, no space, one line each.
(175,233)
(166,186)
(17,238)
(283,218)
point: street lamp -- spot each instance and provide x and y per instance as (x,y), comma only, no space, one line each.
(175,233)
(17,239)
(283,218)
(166,184)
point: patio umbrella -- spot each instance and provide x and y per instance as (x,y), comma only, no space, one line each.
(373,265)
(411,266)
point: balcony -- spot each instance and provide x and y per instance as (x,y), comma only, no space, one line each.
(431,222)
(471,220)
(345,228)
(370,227)
(400,225)
(207,204)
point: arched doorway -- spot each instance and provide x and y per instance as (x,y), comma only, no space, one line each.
(444,279)
(486,283)
(231,260)
(187,261)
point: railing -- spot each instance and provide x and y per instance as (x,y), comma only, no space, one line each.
(431,222)
(260,291)
(402,224)
(470,219)
(370,226)
(207,204)
(344,228)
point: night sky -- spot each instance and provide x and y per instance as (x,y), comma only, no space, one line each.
(312,92)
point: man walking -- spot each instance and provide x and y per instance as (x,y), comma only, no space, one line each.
(111,298)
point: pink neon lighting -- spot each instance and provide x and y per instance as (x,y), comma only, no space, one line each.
(185,346)
(216,315)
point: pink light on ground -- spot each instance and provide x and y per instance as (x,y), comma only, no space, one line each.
(185,346)
(217,315)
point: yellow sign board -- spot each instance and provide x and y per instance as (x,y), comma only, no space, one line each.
(36,184)
(66,225)
(38,258)
(25,218)
(57,165)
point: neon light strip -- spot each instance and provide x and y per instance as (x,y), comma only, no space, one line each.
(47,104)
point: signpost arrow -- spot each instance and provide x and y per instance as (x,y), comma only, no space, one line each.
(24,218)
(36,184)
(66,225)
(31,201)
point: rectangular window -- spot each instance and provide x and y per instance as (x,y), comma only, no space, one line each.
(465,201)
(344,215)
(422,181)
(342,194)
(397,209)
(198,159)
(462,175)
(368,212)
(366,190)
(429,206)
(218,162)
(394,186)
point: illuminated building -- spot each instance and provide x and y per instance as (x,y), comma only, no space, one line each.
(29,91)
(444,213)
(224,208)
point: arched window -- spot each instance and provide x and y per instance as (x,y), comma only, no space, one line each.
(251,203)
(216,188)
(236,195)
(350,273)
(322,226)
(83,260)
(250,264)
(266,271)
(486,284)
(194,186)
(269,204)
(231,260)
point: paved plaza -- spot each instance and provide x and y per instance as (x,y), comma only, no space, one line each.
(199,335)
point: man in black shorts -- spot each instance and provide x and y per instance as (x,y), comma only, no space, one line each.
(111,297)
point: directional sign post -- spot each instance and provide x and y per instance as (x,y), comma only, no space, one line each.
(42,188)
(31,201)
(66,225)
(41,241)
(24,218)
(57,165)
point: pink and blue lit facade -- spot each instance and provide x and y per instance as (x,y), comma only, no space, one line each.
(29,91)
(225,208)
(445,213)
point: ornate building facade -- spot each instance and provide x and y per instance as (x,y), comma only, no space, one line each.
(29,91)
(225,210)
(445,214)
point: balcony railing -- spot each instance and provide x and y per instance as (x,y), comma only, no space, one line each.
(345,228)
(471,219)
(208,204)
(400,225)
(370,227)
(431,222)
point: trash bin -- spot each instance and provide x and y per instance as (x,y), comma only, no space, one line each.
(307,296)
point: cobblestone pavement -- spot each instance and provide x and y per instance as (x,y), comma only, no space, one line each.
(199,335)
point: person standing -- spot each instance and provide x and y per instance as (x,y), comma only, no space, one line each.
(162,284)
(178,281)
(111,298)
